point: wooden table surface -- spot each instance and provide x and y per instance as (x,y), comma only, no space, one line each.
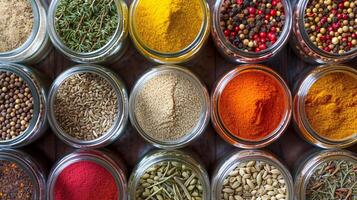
(209,67)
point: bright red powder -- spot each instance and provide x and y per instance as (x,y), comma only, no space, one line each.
(85,180)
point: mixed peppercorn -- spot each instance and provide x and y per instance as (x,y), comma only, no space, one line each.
(16,105)
(252,25)
(332,24)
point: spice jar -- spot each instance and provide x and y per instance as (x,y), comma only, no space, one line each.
(192,182)
(254,171)
(76,175)
(174,56)
(96,99)
(258,42)
(169,107)
(23,105)
(21,175)
(251,106)
(303,43)
(37,46)
(329,104)
(112,41)
(314,173)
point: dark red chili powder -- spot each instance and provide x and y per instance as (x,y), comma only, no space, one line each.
(85,180)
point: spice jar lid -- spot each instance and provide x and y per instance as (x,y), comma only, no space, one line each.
(100,162)
(251,158)
(186,81)
(302,123)
(29,172)
(114,128)
(253,75)
(313,163)
(37,123)
(174,157)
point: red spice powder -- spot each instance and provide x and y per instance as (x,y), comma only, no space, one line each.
(85,180)
(252,105)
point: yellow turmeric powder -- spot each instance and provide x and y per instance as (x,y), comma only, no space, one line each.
(168,26)
(331,106)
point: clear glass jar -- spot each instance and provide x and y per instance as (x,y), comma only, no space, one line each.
(109,53)
(158,156)
(204,98)
(38,44)
(302,124)
(307,167)
(233,54)
(34,169)
(106,159)
(216,118)
(303,46)
(38,85)
(229,163)
(120,122)
(182,56)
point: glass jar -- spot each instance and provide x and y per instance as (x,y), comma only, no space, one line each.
(307,167)
(218,123)
(229,163)
(233,54)
(109,53)
(183,55)
(38,85)
(158,156)
(38,44)
(302,124)
(303,46)
(105,159)
(120,122)
(204,99)
(34,169)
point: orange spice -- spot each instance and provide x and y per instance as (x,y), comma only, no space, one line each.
(252,105)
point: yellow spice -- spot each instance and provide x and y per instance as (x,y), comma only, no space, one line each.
(168,25)
(331,106)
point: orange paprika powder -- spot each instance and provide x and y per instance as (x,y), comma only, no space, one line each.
(252,105)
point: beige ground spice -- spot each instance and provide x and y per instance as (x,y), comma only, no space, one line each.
(168,107)
(16,21)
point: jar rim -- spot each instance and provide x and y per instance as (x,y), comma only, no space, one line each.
(98,157)
(281,41)
(164,57)
(230,162)
(39,99)
(121,119)
(216,118)
(158,156)
(118,36)
(202,122)
(300,116)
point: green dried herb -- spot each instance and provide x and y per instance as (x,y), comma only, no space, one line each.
(335,179)
(169,181)
(86,25)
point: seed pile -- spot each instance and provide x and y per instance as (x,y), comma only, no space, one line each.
(331,25)
(254,180)
(86,25)
(168,107)
(252,25)
(14,182)
(336,179)
(16,21)
(16,106)
(169,180)
(86,106)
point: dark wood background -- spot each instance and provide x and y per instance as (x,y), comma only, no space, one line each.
(209,67)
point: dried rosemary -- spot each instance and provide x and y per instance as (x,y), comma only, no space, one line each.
(86,25)
(169,181)
(336,179)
